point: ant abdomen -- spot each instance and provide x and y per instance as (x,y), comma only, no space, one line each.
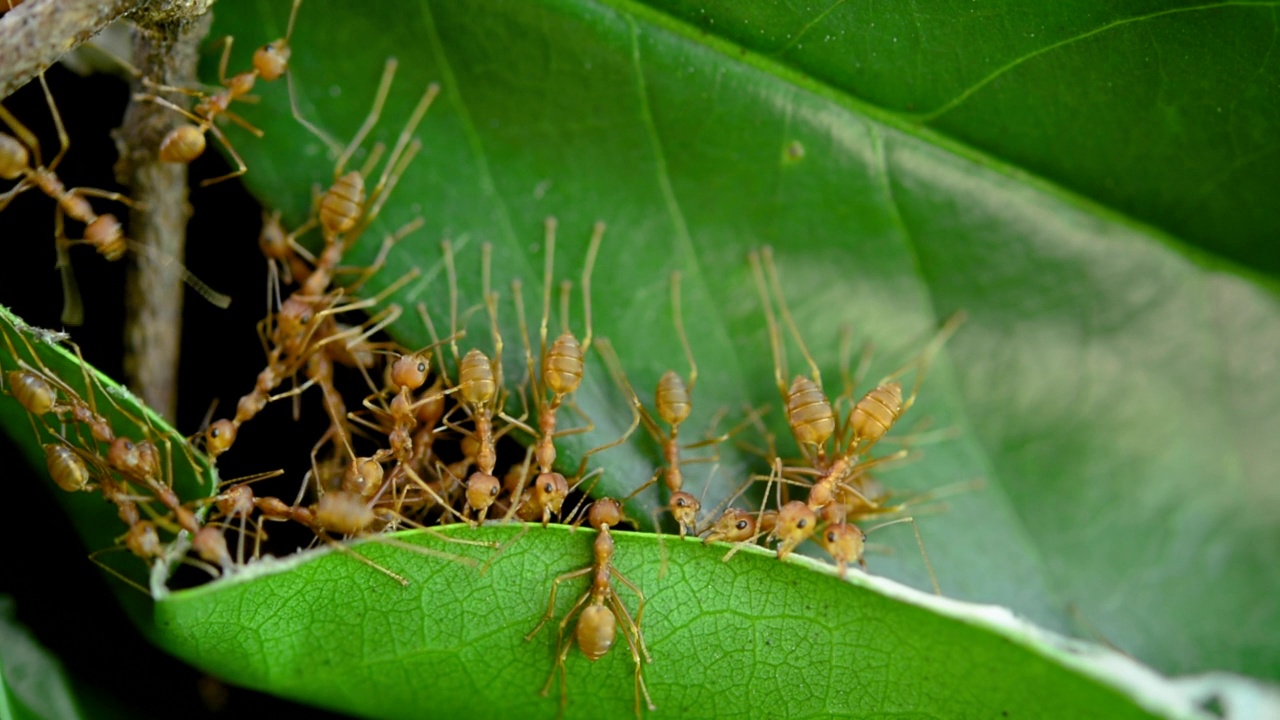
(32,392)
(182,144)
(672,399)
(563,368)
(597,628)
(876,412)
(14,157)
(344,513)
(105,235)
(67,469)
(343,204)
(476,382)
(809,412)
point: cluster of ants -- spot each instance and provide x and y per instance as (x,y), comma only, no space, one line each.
(416,402)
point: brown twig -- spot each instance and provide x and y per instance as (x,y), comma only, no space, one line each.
(165,53)
(38,32)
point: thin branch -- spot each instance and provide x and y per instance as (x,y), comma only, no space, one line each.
(38,32)
(165,53)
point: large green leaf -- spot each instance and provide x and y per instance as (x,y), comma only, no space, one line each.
(1166,111)
(752,636)
(1117,393)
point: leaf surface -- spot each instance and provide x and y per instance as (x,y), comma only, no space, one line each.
(95,521)
(811,646)
(1116,392)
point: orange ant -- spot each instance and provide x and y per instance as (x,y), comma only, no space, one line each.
(284,254)
(350,514)
(185,143)
(601,608)
(304,323)
(479,390)
(20,160)
(562,367)
(673,400)
(813,421)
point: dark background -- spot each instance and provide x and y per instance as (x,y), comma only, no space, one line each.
(114,669)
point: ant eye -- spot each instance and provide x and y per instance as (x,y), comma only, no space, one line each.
(213,432)
(802,524)
(305,318)
(422,367)
(549,487)
(831,536)
(742,525)
(493,490)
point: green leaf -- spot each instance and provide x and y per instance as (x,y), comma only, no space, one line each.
(32,683)
(1164,111)
(1116,391)
(782,639)
(95,521)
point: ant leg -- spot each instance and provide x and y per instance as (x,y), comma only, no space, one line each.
(775,336)
(240,166)
(551,603)
(64,142)
(72,305)
(400,153)
(334,147)
(767,258)
(25,136)
(933,577)
(233,117)
(380,97)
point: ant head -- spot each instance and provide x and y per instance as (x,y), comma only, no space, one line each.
(550,490)
(125,456)
(211,546)
(410,371)
(735,525)
(273,240)
(14,158)
(236,501)
(294,323)
(219,437)
(605,511)
(363,477)
(796,523)
(272,60)
(844,542)
(143,540)
(482,490)
(684,507)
